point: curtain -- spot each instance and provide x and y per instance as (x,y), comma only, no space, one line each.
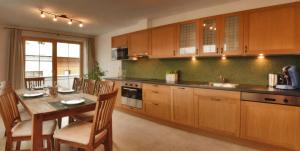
(16,73)
(91,53)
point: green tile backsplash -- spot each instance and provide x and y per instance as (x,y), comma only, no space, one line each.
(242,70)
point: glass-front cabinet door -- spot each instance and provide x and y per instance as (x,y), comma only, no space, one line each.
(231,37)
(188,38)
(210,39)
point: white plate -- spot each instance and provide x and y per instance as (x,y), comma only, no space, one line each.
(36,94)
(66,90)
(72,102)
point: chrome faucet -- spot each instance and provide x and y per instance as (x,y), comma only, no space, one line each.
(222,78)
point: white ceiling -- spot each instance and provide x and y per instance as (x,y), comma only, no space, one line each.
(99,16)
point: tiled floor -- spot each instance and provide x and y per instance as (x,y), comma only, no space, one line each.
(135,134)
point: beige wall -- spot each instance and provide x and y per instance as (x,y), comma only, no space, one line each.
(4,53)
(103,49)
(103,42)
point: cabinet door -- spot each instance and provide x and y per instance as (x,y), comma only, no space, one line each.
(183,106)
(188,38)
(157,101)
(164,41)
(273,124)
(119,41)
(218,110)
(273,30)
(209,39)
(138,43)
(232,34)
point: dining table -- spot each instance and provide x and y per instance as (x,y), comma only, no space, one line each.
(46,107)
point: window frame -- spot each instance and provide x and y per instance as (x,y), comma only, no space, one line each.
(54,52)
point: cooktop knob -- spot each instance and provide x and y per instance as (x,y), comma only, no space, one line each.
(285,100)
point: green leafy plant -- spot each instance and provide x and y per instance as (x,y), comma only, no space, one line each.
(172,72)
(96,73)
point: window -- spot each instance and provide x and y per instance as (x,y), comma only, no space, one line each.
(39,61)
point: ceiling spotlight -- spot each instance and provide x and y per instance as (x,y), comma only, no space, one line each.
(80,25)
(55,18)
(70,22)
(42,14)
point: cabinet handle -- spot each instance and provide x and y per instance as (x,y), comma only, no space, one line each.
(156,104)
(155,92)
(222,50)
(246,49)
(217,51)
(215,99)
(181,88)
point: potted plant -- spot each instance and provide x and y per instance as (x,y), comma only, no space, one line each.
(96,73)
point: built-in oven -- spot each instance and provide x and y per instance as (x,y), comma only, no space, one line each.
(132,94)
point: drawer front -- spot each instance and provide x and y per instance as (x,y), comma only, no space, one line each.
(218,94)
(156,93)
(161,111)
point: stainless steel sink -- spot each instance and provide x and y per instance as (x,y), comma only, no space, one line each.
(223,85)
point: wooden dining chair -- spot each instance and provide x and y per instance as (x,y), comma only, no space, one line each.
(102,87)
(77,84)
(89,86)
(86,135)
(34,82)
(17,130)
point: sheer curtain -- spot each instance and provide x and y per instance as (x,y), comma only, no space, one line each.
(16,72)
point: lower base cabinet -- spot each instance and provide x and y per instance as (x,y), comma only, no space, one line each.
(182,103)
(272,124)
(218,110)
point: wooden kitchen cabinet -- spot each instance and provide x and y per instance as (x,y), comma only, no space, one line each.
(138,43)
(188,38)
(218,110)
(232,34)
(222,35)
(157,101)
(119,41)
(271,124)
(273,30)
(164,41)
(183,106)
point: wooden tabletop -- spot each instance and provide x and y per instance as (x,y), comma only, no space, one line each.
(40,105)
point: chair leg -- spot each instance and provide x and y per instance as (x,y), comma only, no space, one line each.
(106,145)
(52,142)
(71,119)
(18,147)
(49,144)
(9,144)
(57,145)
(59,122)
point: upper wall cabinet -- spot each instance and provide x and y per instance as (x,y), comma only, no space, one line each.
(209,39)
(273,30)
(222,35)
(164,41)
(188,38)
(138,43)
(232,34)
(119,41)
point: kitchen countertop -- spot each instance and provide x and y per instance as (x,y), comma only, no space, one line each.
(205,85)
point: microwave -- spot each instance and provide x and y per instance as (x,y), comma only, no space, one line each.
(119,53)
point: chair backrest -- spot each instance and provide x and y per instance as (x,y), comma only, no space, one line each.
(89,86)
(34,82)
(103,87)
(103,113)
(8,109)
(77,84)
